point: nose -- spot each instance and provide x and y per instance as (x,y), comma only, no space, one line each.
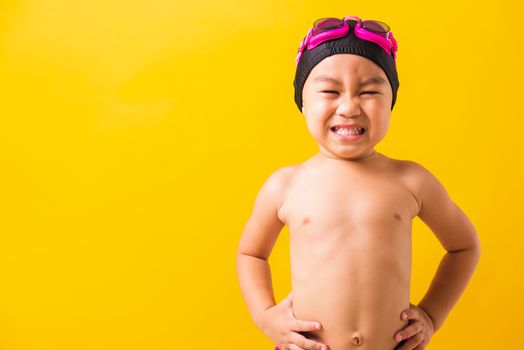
(349,107)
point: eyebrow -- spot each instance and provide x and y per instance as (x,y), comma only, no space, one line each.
(328,79)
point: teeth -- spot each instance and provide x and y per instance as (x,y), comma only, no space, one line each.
(354,131)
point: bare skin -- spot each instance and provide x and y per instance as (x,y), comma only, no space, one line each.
(349,211)
(350,241)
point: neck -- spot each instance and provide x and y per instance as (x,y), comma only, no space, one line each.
(361,157)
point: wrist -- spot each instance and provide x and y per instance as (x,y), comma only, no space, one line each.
(429,317)
(259,319)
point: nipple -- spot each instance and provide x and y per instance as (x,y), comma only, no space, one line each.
(357,339)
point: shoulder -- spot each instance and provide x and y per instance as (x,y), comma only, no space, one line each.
(281,177)
(429,190)
(274,188)
(414,173)
(264,223)
(436,208)
(423,184)
(439,211)
(279,180)
(420,177)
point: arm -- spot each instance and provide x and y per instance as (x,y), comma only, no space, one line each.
(277,321)
(257,240)
(458,236)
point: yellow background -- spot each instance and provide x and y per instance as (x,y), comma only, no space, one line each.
(135,135)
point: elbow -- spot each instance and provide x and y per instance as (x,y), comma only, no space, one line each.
(244,253)
(477,248)
(241,253)
(251,251)
(473,249)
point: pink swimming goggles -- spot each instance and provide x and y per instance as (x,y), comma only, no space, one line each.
(330,28)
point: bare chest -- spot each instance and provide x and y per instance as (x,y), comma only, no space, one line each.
(348,200)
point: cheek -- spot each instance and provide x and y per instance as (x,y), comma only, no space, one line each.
(316,107)
(316,127)
(312,125)
(380,125)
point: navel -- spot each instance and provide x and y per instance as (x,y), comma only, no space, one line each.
(397,216)
(357,339)
(305,221)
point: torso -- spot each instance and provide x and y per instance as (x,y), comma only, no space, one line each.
(350,241)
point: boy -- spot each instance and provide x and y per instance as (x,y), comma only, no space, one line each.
(349,211)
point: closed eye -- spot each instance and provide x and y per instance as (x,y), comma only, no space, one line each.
(336,92)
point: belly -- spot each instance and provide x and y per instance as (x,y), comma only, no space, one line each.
(355,286)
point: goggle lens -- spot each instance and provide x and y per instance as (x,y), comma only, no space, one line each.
(377,27)
(324,24)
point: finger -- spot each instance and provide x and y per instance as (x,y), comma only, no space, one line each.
(294,347)
(288,302)
(409,331)
(412,342)
(305,326)
(306,343)
(422,314)
(404,314)
(288,299)
(408,314)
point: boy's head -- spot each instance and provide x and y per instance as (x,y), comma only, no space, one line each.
(349,44)
(347,96)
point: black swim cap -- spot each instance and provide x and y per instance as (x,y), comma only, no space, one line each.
(347,44)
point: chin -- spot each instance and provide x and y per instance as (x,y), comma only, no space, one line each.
(349,154)
(344,155)
(352,155)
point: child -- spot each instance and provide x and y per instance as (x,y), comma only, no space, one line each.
(349,211)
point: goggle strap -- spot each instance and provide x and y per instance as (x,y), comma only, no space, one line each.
(305,41)
(393,41)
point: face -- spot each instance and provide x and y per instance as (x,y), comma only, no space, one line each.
(347,104)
